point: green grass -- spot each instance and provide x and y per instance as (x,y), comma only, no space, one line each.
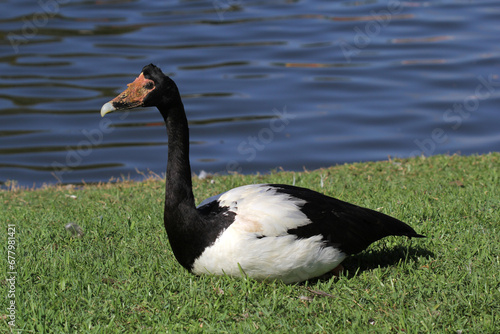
(121,276)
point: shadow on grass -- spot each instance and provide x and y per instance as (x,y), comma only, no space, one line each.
(377,258)
(382,258)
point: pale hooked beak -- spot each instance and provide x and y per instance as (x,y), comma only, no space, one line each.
(107,108)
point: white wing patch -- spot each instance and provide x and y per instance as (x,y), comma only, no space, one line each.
(259,208)
(258,241)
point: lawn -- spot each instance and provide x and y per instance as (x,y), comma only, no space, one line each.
(121,276)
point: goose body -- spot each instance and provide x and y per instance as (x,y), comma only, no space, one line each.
(260,238)
(265,231)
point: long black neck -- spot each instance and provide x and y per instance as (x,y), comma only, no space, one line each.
(179,192)
(189,231)
(181,219)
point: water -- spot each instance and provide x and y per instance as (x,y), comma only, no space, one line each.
(266,84)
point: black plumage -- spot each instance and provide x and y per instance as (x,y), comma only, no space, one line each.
(349,227)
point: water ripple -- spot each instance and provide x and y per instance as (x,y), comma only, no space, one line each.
(348,81)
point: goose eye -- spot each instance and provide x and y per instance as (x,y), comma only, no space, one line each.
(149,85)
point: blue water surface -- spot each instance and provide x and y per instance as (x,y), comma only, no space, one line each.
(266,84)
